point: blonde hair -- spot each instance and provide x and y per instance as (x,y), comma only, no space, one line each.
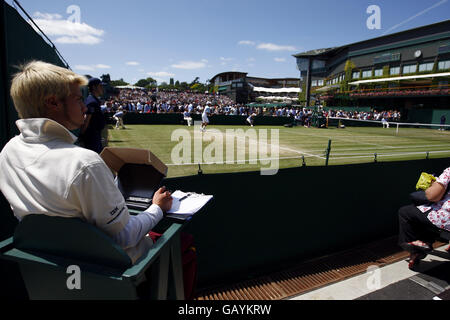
(35,82)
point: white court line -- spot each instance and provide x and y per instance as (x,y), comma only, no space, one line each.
(234,162)
(280,147)
(340,138)
(310,155)
(389,155)
(290,158)
(398,147)
(252,142)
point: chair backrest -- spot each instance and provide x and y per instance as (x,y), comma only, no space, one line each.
(69,238)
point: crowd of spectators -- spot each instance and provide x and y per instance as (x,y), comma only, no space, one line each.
(142,101)
(388,115)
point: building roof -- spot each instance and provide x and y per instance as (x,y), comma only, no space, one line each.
(314,52)
(230,72)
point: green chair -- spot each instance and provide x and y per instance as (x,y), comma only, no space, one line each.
(46,247)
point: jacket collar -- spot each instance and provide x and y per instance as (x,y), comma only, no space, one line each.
(41,130)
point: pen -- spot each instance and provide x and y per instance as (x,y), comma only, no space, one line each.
(184,197)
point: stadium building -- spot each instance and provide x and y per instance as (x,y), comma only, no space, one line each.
(404,71)
(244,89)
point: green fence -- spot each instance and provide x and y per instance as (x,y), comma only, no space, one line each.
(432,116)
(256,224)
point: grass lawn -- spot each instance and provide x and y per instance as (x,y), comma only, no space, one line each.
(349,145)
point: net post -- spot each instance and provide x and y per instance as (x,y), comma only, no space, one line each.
(328,153)
(398,125)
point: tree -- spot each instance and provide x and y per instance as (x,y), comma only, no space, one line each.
(120,82)
(163,86)
(194,82)
(184,86)
(106,78)
(199,87)
(146,82)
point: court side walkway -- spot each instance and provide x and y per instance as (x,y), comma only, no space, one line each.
(393,282)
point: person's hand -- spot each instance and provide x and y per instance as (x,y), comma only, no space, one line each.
(163,199)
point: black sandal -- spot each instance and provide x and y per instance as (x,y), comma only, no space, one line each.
(414,260)
(417,247)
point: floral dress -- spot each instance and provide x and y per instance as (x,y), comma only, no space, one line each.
(439,212)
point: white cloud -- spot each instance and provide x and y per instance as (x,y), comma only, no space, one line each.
(102,66)
(132,63)
(246,43)
(84,68)
(190,65)
(280,59)
(161,74)
(47,16)
(86,39)
(251,59)
(275,47)
(67,32)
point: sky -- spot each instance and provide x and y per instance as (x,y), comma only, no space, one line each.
(185,39)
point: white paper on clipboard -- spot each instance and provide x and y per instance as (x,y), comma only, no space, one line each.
(188,203)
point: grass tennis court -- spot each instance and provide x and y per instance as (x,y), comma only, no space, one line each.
(349,145)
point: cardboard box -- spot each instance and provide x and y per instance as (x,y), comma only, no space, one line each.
(139,174)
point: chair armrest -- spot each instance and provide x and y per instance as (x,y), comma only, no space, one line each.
(6,245)
(163,243)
